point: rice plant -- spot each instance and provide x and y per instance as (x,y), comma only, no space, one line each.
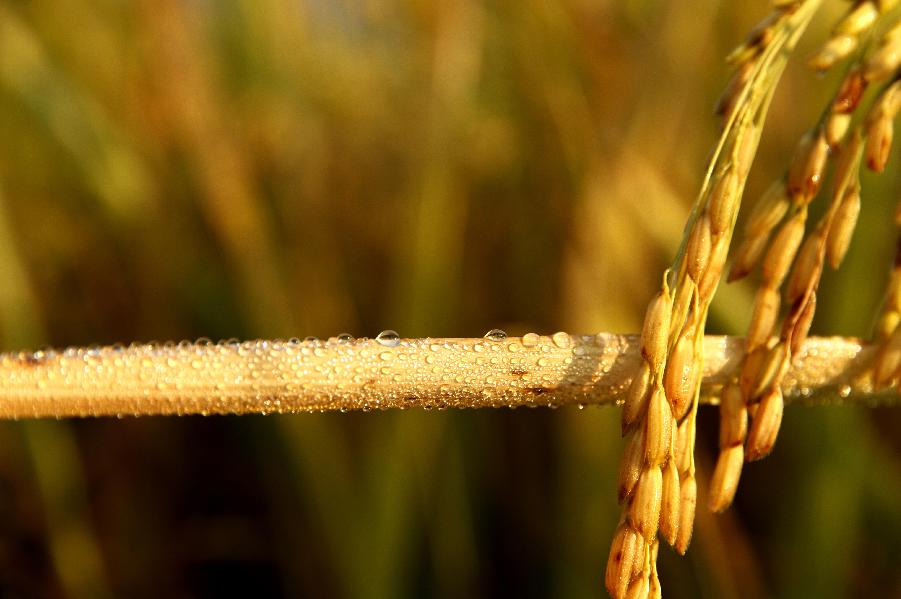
(215,167)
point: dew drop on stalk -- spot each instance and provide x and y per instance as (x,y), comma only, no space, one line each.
(388,338)
(530,339)
(561,340)
(495,335)
(345,338)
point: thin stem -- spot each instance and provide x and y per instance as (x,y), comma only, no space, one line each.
(364,374)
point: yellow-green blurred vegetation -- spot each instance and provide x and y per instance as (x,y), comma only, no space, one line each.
(171,169)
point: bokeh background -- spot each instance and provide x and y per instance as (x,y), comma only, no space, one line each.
(171,169)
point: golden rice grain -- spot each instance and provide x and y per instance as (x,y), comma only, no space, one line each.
(746,151)
(656,330)
(837,48)
(765,425)
(843,227)
(644,510)
(746,256)
(723,201)
(697,252)
(733,417)
(725,477)
(714,272)
(680,379)
(750,369)
(805,175)
(782,249)
(849,92)
(637,397)
(626,550)
(769,210)
(658,431)
(763,319)
(859,18)
(726,103)
(631,464)
(837,125)
(879,130)
(688,498)
(669,506)
(884,61)
(806,268)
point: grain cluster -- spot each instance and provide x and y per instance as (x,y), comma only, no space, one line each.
(657,486)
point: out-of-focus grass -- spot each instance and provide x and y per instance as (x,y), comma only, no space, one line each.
(177,169)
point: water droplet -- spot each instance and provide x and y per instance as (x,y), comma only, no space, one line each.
(561,340)
(386,355)
(310,339)
(388,338)
(495,335)
(345,338)
(530,339)
(845,390)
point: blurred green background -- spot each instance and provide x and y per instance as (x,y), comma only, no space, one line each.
(277,168)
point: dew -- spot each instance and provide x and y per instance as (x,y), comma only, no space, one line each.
(530,339)
(386,355)
(561,340)
(388,338)
(311,339)
(845,390)
(495,335)
(345,338)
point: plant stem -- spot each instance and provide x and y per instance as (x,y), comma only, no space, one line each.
(364,374)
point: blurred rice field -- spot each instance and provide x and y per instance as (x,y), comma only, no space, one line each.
(277,168)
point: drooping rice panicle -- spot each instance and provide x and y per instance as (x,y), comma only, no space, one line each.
(767,360)
(781,214)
